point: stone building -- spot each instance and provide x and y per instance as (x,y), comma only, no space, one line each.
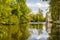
(48,22)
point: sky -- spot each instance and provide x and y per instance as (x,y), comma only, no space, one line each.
(36,4)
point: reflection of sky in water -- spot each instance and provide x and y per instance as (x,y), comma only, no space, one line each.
(36,36)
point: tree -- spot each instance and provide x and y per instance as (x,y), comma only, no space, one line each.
(54,8)
(11,13)
(55,13)
(40,15)
(24,10)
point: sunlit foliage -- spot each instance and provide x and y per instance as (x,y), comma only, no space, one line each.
(12,12)
(37,17)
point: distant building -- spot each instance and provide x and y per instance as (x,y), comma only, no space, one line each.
(48,20)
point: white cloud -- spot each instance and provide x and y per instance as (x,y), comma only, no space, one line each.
(43,5)
(37,4)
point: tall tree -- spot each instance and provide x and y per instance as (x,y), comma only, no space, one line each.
(55,13)
(24,10)
(54,8)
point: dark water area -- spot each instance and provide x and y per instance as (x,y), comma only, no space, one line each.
(55,32)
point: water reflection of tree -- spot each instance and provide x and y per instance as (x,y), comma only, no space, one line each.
(24,30)
(37,26)
(9,32)
(13,32)
(55,32)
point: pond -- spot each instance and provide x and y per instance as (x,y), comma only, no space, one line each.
(38,32)
(24,32)
(30,32)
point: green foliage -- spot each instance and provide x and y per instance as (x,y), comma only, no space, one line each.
(37,18)
(55,13)
(54,8)
(14,20)
(12,13)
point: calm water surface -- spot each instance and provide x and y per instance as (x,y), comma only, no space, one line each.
(38,32)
